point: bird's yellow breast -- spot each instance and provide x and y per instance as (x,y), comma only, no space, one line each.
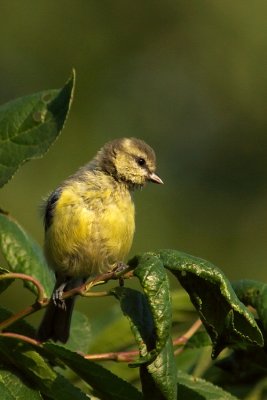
(92,227)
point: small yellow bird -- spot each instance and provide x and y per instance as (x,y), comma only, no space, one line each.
(89,223)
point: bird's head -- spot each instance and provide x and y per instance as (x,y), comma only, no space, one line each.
(129,160)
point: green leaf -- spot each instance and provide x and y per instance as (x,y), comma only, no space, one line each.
(163,372)
(13,387)
(159,377)
(182,308)
(108,385)
(154,281)
(29,125)
(37,371)
(80,333)
(253,293)
(225,318)
(110,332)
(4,283)
(193,388)
(135,307)
(24,255)
(198,340)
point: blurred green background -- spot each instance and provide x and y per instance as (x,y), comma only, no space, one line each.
(188,77)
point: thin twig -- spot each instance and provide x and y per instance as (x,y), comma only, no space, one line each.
(129,356)
(42,301)
(23,338)
(182,340)
(120,356)
(21,314)
(24,277)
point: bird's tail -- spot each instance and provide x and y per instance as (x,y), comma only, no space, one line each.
(57,319)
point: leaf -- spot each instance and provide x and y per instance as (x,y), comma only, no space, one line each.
(13,387)
(226,319)
(163,372)
(135,307)
(159,377)
(80,333)
(110,332)
(198,340)
(253,293)
(108,385)
(29,125)
(182,308)
(193,388)
(154,281)
(33,366)
(23,254)
(4,283)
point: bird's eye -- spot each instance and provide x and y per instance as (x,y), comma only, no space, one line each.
(141,161)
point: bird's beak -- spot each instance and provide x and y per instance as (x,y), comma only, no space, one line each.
(155,178)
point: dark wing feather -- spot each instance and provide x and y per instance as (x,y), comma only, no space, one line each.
(49,207)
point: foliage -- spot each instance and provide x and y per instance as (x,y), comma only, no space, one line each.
(173,357)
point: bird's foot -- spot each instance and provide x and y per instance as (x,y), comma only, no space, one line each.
(57,297)
(120,267)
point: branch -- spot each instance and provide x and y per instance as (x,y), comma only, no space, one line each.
(23,338)
(129,356)
(24,277)
(42,301)
(120,356)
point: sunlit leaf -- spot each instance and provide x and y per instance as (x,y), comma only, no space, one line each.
(154,281)
(13,387)
(23,254)
(29,125)
(159,378)
(193,388)
(108,385)
(33,366)
(225,318)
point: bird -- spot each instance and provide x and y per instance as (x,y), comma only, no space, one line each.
(89,222)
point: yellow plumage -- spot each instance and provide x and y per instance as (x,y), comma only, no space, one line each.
(89,223)
(92,228)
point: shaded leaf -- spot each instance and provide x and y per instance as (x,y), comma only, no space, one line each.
(193,388)
(13,387)
(20,326)
(24,255)
(37,371)
(199,339)
(253,293)
(225,318)
(135,307)
(80,333)
(108,385)
(182,308)
(154,281)
(159,377)
(4,283)
(29,125)
(110,332)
